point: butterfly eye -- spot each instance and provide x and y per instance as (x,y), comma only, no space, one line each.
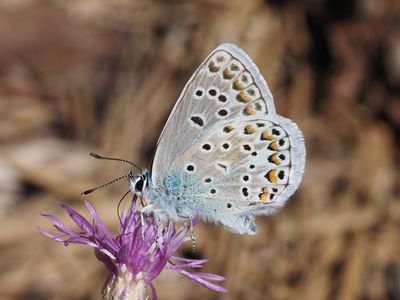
(139,185)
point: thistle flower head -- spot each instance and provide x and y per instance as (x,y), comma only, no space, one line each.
(136,255)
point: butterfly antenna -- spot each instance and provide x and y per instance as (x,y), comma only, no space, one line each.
(87,192)
(112,158)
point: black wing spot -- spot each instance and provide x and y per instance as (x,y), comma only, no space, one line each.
(281,174)
(254,153)
(199,93)
(246,147)
(225,146)
(281,142)
(208,180)
(213,191)
(207,147)
(275,190)
(252,166)
(276,132)
(197,120)
(257,106)
(234,67)
(222,98)
(222,166)
(245,192)
(190,168)
(223,112)
(282,157)
(246,177)
(229,205)
(212,92)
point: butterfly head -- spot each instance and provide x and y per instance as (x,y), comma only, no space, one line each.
(138,182)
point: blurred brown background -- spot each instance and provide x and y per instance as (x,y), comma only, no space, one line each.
(89,75)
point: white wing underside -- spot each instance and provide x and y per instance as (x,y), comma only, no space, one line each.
(225,126)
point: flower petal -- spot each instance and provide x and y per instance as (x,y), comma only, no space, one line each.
(209,276)
(59,224)
(100,225)
(78,219)
(199,280)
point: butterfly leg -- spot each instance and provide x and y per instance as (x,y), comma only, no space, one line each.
(149,208)
(192,234)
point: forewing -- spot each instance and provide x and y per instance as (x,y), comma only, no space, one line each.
(226,86)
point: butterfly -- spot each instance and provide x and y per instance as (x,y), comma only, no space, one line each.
(224,154)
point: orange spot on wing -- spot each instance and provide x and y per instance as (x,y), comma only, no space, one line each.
(274,159)
(249,129)
(227,74)
(243,97)
(272,176)
(212,67)
(273,146)
(249,110)
(263,196)
(237,85)
(228,128)
(266,136)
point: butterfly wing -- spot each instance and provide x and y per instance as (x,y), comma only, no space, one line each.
(197,110)
(225,135)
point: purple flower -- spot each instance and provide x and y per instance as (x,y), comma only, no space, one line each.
(136,255)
